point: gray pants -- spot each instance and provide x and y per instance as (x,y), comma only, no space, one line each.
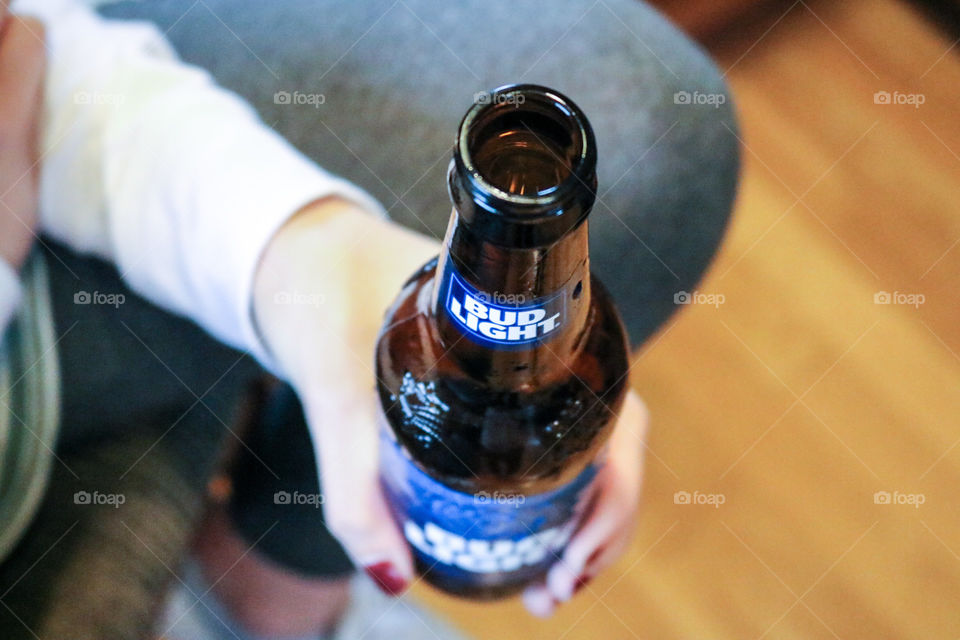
(149,400)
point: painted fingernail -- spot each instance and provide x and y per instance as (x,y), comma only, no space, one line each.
(581,583)
(596,554)
(386,576)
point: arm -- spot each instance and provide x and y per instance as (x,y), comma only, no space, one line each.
(148,164)
(21,84)
(354,263)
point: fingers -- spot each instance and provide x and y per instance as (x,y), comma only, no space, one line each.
(354,506)
(539,601)
(599,539)
(606,531)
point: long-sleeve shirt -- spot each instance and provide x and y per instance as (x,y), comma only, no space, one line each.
(150,165)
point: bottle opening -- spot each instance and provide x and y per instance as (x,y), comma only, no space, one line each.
(524,166)
(523,153)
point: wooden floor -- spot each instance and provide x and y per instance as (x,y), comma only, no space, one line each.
(800,397)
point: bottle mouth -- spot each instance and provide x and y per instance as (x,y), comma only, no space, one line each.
(524,165)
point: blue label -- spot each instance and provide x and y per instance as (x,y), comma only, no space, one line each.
(501,321)
(482,538)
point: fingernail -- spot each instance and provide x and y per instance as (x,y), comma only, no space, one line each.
(596,554)
(386,576)
(581,583)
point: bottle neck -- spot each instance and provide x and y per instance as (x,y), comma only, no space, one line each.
(512,318)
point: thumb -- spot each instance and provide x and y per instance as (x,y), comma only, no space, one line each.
(346,438)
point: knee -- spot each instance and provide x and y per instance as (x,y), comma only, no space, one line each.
(289,610)
(260,595)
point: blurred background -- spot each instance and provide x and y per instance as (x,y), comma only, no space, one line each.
(811,401)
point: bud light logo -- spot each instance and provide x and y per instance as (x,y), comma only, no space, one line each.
(472,540)
(479,555)
(502,326)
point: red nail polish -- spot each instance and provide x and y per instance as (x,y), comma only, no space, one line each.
(387,578)
(596,554)
(581,583)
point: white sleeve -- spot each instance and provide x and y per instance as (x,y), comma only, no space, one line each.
(149,164)
(9,295)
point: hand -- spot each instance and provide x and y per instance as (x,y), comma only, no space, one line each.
(607,528)
(320,295)
(22,67)
(346,267)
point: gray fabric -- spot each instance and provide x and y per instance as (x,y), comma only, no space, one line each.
(29,404)
(396,78)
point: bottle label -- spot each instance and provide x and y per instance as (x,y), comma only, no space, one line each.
(482,539)
(501,321)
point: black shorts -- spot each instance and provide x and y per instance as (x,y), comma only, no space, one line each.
(276,500)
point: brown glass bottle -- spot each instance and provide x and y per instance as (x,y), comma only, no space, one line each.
(502,363)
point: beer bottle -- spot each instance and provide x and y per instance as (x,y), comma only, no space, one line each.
(502,363)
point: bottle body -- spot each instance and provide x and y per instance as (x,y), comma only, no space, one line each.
(489,484)
(501,368)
